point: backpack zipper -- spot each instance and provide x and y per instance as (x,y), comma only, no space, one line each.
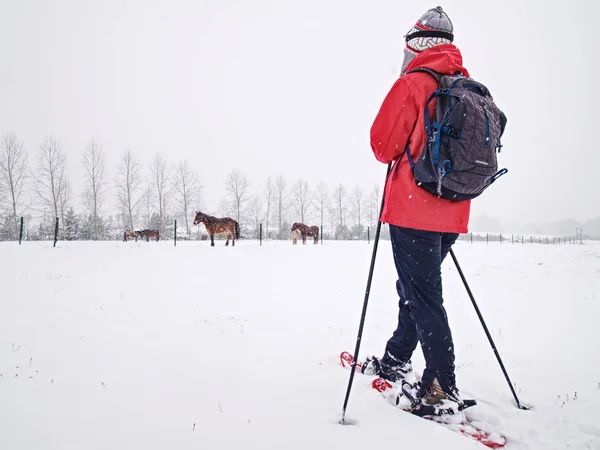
(487,128)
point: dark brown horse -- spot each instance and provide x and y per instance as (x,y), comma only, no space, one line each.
(306,231)
(148,234)
(227,226)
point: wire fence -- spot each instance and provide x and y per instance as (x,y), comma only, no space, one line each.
(52,232)
(521,238)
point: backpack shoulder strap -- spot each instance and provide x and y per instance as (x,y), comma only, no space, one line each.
(431,72)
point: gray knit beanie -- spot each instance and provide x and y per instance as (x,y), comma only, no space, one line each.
(433,28)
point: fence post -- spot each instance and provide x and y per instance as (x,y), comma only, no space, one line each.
(487,237)
(369,235)
(21,231)
(260,234)
(471,237)
(501,238)
(55,232)
(175,234)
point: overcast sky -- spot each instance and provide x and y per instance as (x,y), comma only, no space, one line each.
(292,87)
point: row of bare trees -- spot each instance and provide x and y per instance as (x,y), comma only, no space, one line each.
(166,193)
(152,196)
(345,213)
(159,194)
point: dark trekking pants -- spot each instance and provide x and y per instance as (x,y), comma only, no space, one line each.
(418,256)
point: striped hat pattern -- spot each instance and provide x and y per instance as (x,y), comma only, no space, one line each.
(433,28)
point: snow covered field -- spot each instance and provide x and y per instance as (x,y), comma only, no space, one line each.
(117,345)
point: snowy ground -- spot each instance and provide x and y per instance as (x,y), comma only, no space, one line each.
(145,346)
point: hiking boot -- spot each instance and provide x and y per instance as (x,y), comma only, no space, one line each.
(395,369)
(436,395)
(394,372)
(435,401)
(371,366)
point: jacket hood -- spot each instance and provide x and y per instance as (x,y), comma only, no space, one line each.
(445,59)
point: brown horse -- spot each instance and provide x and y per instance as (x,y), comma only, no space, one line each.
(148,234)
(306,231)
(130,234)
(227,226)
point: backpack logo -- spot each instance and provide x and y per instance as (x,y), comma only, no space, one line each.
(459,159)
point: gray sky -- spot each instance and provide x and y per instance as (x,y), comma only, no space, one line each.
(292,87)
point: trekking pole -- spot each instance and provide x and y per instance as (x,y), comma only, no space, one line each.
(364,309)
(462,276)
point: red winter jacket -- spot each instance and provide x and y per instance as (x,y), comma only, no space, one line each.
(400,122)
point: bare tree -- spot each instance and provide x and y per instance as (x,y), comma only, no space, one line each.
(63,203)
(51,184)
(147,205)
(332,218)
(301,195)
(197,202)
(13,174)
(161,188)
(357,207)
(357,201)
(372,206)
(187,191)
(269,194)
(94,193)
(237,189)
(129,182)
(340,204)
(224,207)
(256,210)
(281,198)
(320,200)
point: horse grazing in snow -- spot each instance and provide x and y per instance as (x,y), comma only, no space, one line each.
(130,235)
(226,225)
(295,235)
(148,234)
(306,231)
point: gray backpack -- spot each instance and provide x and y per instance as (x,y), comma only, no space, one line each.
(459,160)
